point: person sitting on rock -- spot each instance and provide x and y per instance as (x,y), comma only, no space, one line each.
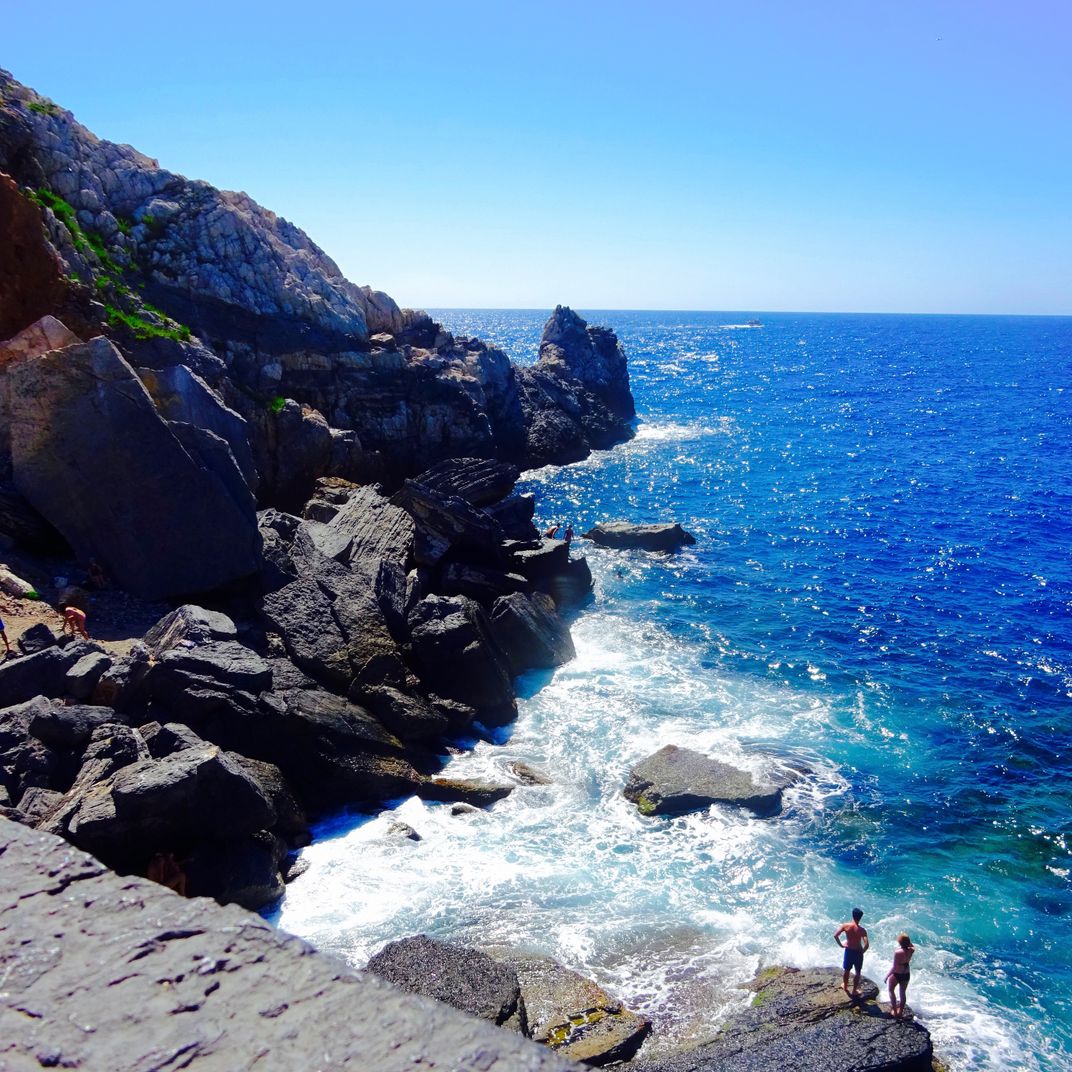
(899,974)
(3,633)
(551,531)
(75,620)
(167,871)
(855,945)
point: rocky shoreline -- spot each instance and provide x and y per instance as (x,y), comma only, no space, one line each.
(198,410)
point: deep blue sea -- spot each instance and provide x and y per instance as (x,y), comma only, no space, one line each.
(881,592)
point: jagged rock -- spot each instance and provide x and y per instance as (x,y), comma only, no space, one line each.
(514,516)
(188,623)
(68,726)
(236,987)
(366,528)
(169,738)
(160,523)
(37,638)
(409,716)
(329,495)
(403,831)
(82,678)
(591,355)
(291,823)
(14,585)
(457,975)
(572,586)
(243,871)
(539,563)
(457,657)
(527,774)
(576,398)
(42,674)
(445,523)
(37,804)
(184,397)
(479,481)
(529,630)
(478,582)
(195,795)
(464,809)
(677,780)
(668,537)
(802,1020)
(472,791)
(225,664)
(572,1015)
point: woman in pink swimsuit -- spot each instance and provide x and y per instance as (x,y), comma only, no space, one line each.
(899,974)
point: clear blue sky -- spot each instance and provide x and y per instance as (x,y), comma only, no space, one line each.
(869,155)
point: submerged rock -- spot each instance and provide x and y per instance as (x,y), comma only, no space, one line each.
(667,537)
(677,780)
(802,1020)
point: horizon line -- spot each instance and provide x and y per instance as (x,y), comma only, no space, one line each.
(749,312)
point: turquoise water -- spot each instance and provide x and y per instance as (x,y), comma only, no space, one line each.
(881,592)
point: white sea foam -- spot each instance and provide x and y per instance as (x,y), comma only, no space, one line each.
(668,914)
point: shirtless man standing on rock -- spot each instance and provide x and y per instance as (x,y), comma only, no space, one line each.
(855,945)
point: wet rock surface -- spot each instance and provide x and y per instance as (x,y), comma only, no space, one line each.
(676,780)
(166,981)
(573,1016)
(456,975)
(803,1020)
(668,537)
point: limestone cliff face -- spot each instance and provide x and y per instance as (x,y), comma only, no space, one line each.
(187,236)
(329,378)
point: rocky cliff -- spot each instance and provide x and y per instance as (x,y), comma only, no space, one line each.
(330,378)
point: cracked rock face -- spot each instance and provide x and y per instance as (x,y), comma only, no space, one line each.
(103,972)
(215,244)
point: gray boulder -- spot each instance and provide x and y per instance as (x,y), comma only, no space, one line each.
(68,726)
(573,1016)
(479,481)
(457,975)
(530,631)
(37,638)
(666,537)
(198,794)
(457,657)
(42,674)
(677,780)
(802,1020)
(81,680)
(92,454)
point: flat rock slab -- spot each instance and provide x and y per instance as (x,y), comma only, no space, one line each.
(668,537)
(803,1020)
(103,972)
(676,780)
(457,975)
(574,1016)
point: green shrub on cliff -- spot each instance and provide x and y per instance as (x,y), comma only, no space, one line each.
(146,329)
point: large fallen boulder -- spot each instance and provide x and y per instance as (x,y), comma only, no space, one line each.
(803,1020)
(91,453)
(676,780)
(667,537)
(530,631)
(457,656)
(457,975)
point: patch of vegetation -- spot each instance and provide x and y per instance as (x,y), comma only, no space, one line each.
(64,212)
(125,226)
(44,107)
(146,329)
(154,225)
(277,404)
(645,805)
